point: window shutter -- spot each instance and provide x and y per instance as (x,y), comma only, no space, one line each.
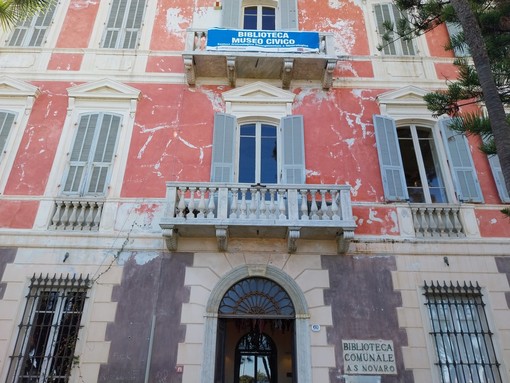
(461,164)
(114,24)
(382,14)
(6,122)
(293,150)
(222,166)
(390,159)
(133,23)
(497,172)
(407,45)
(453,30)
(103,154)
(231,14)
(288,15)
(42,22)
(82,146)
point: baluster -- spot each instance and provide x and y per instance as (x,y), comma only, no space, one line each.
(244,206)
(81,216)
(281,204)
(181,206)
(324,212)
(253,203)
(457,226)
(416,222)
(234,206)
(264,209)
(334,206)
(272,204)
(211,207)
(424,223)
(88,220)
(65,215)
(56,217)
(314,209)
(97,217)
(191,205)
(72,216)
(201,203)
(440,215)
(304,205)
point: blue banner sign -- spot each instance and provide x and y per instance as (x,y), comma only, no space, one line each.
(262,41)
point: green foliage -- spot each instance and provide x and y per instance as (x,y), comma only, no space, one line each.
(14,11)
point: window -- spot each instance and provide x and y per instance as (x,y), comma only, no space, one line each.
(6,122)
(263,14)
(32,31)
(92,154)
(255,152)
(456,33)
(412,168)
(497,173)
(45,347)
(124,24)
(461,334)
(390,14)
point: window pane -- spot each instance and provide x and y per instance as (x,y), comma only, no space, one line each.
(268,157)
(411,168)
(250,18)
(247,154)
(268,18)
(434,177)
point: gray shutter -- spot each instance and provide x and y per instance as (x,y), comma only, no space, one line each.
(382,14)
(6,122)
(293,150)
(461,164)
(231,14)
(222,164)
(288,15)
(31,32)
(406,45)
(75,177)
(390,159)
(453,30)
(133,23)
(114,23)
(497,172)
(104,151)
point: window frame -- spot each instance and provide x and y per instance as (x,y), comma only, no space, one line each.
(452,296)
(400,46)
(61,288)
(31,26)
(286,14)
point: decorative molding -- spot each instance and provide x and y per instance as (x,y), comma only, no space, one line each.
(170,236)
(327,79)
(189,67)
(287,72)
(231,70)
(104,89)
(293,235)
(222,237)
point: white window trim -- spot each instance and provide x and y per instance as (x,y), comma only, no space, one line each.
(100,96)
(17,97)
(407,107)
(98,31)
(52,33)
(259,5)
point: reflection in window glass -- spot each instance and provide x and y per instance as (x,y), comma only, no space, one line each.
(259,17)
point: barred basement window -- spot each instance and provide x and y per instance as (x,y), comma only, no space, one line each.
(48,331)
(461,333)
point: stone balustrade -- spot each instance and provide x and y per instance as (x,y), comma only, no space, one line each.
(76,214)
(437,221)
(273,211)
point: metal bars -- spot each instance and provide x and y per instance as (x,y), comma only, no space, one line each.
(48,331)
(461,333)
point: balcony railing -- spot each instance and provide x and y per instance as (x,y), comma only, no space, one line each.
(230,64)
(77,215)
(276,211)
(437,221)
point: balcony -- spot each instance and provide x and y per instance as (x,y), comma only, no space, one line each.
(202,59)
(289,212)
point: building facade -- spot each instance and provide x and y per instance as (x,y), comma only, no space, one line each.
(242,191)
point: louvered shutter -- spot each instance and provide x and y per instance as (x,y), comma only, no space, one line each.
(231,14)
(461,164)
(80,154)
(103,154)
(133,23)
(124,23)
(222,166)
(390,13)
(390,159)
(293,150)
(453,30)
(288,15)
(114,24)
(31,32)
(6,122)
(497,173)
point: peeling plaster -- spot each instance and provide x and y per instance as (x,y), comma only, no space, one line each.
(174,20)
(335,4)
(372,217)
(80,4)
(345,35)
(356,187)
(140,258)
(214,98)
(493,221)
(394,218)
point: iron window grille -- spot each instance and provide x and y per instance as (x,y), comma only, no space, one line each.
(49,329)
(463,340)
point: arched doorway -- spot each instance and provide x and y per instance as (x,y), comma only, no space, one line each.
(255,342)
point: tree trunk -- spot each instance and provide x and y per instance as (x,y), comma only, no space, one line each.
(500,128)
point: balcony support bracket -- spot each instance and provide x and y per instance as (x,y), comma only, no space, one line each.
(222,237)
(293,234)
(170,235)
(189,68)
(231,70)
(327,80)
(343,240)
(287,72)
